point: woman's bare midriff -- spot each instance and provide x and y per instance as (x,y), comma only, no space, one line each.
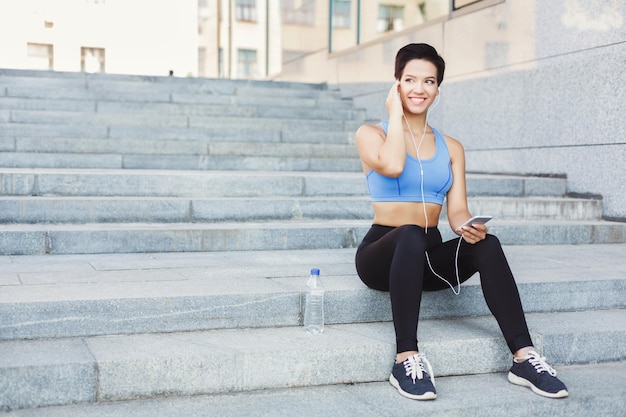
(400,213)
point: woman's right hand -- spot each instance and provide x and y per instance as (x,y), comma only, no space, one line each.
(393,101)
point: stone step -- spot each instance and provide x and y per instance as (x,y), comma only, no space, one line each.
(163,147)
(53,209)
(191,91)
(211,93)
(203,161)
(203,184)
(130,367)
(297,121)
(102,83)
(12,134)
(142,88)
(88,295)
(176,210)
(472,395)
(306,106)
(91,182)
(38,239)
(194,104)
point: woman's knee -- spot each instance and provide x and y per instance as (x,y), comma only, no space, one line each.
(411,237)
(488,253)
(487,250)
(490,245)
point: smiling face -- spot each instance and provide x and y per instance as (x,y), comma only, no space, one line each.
(418,85)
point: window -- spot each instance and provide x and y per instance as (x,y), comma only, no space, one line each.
(390,18)
(246,63)
(355,22)
(462,3)
(298,12)
(341,13)
(423,11)
(40,56)
(246,10)
(92,59)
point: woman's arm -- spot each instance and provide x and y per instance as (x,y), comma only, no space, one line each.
(384,154)
(456,199)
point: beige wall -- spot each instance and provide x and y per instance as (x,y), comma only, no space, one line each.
(307,38)
(136,35)
(143,37)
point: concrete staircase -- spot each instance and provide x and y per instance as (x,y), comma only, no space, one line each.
(184,215)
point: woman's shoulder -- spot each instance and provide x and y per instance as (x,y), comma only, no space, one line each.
(453,144)
(455,147)
(369,129)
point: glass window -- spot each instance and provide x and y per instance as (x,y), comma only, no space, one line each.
(371,20)
(92,59)
(355,22)
(246,10)
(40,56)
(298,12)
(390,18)
(341,13)
(246,63)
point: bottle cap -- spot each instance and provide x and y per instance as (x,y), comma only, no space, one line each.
(315,271)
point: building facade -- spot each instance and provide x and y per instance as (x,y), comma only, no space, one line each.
(239,39)
(114,36)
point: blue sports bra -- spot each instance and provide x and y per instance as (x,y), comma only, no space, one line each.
(407,187)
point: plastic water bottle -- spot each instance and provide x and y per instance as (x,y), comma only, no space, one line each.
(314,304)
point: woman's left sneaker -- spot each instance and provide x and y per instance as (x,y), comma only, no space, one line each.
(536,374)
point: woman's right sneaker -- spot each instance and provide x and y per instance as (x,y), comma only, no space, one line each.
(536,374)
(414,378)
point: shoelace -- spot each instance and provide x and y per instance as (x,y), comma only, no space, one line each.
(414,367)
(540,364)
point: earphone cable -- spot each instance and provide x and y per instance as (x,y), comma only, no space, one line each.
(456,257)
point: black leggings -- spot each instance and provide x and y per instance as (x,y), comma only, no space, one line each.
(393,259)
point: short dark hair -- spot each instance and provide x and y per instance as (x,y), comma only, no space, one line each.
(419,51)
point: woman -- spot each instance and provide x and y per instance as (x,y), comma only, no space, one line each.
(410,168)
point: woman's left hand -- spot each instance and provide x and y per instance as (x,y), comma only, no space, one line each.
(474,234)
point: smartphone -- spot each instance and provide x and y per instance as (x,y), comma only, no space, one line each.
(475,219)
